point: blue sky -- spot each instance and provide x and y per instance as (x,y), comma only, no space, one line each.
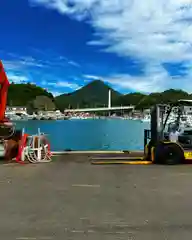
(132,45)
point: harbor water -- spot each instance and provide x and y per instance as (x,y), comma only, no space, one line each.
(107,134)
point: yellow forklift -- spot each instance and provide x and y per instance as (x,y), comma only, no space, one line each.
(159,148)
(165,119)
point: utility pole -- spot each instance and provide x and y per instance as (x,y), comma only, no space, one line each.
(109,101)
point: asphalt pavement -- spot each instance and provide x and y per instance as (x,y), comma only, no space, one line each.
(68,199)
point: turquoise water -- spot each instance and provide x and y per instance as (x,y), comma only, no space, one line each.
(107,134)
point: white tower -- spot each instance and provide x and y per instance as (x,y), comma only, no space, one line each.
(109,99)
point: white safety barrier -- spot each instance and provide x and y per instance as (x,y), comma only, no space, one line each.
(35,148)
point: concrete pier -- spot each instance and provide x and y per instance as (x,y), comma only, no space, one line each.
(71,199)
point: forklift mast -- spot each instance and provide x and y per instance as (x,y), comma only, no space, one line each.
(157,122)
(160,114)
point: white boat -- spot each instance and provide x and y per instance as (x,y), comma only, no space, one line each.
(12,116)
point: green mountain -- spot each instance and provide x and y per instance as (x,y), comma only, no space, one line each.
(29,95)
(94,94)
(142,101)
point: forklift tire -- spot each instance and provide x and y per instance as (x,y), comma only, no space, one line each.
(169,154)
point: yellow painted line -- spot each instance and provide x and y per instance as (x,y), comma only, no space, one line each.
(78,152)
(123,162)
(85,185)
(117,158)
(57,153)
(98,151)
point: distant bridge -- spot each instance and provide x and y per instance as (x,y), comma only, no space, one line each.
(99,109)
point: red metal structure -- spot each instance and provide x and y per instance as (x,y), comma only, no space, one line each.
(14,141)
(4,82)
(7,129)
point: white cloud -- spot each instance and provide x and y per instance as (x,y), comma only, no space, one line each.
(74,63)
(11,65)
(155,79)
(92,77)
(64,61)
(67,85)
(17,78)
(55,93)
(31,62)
(19,63)
(61,84)
(151,31)
(147,83)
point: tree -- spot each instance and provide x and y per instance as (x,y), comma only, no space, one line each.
(22,94)
(30,108)
(43,103)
